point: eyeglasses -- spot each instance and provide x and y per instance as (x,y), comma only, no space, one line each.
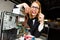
(34,7)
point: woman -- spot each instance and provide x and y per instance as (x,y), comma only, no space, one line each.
(35,19)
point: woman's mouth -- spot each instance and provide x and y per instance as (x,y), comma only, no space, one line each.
(33,12)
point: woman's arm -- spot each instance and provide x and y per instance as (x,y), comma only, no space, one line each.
(25,22)
(26,10)
(41,21)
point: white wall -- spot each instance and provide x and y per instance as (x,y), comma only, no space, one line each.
(6,5)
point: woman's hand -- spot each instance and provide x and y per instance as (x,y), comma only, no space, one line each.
(41,21)
(25,5)
(41,18)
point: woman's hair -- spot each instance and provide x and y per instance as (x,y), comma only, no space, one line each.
(39,5)
(39,8)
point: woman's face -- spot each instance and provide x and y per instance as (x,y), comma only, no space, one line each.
(34,9)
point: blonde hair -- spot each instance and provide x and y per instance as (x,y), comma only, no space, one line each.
(39,8)
(39,5)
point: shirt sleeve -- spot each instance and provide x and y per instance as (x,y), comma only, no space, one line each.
(41,26)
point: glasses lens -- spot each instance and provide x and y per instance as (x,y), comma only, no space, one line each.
(35,7)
